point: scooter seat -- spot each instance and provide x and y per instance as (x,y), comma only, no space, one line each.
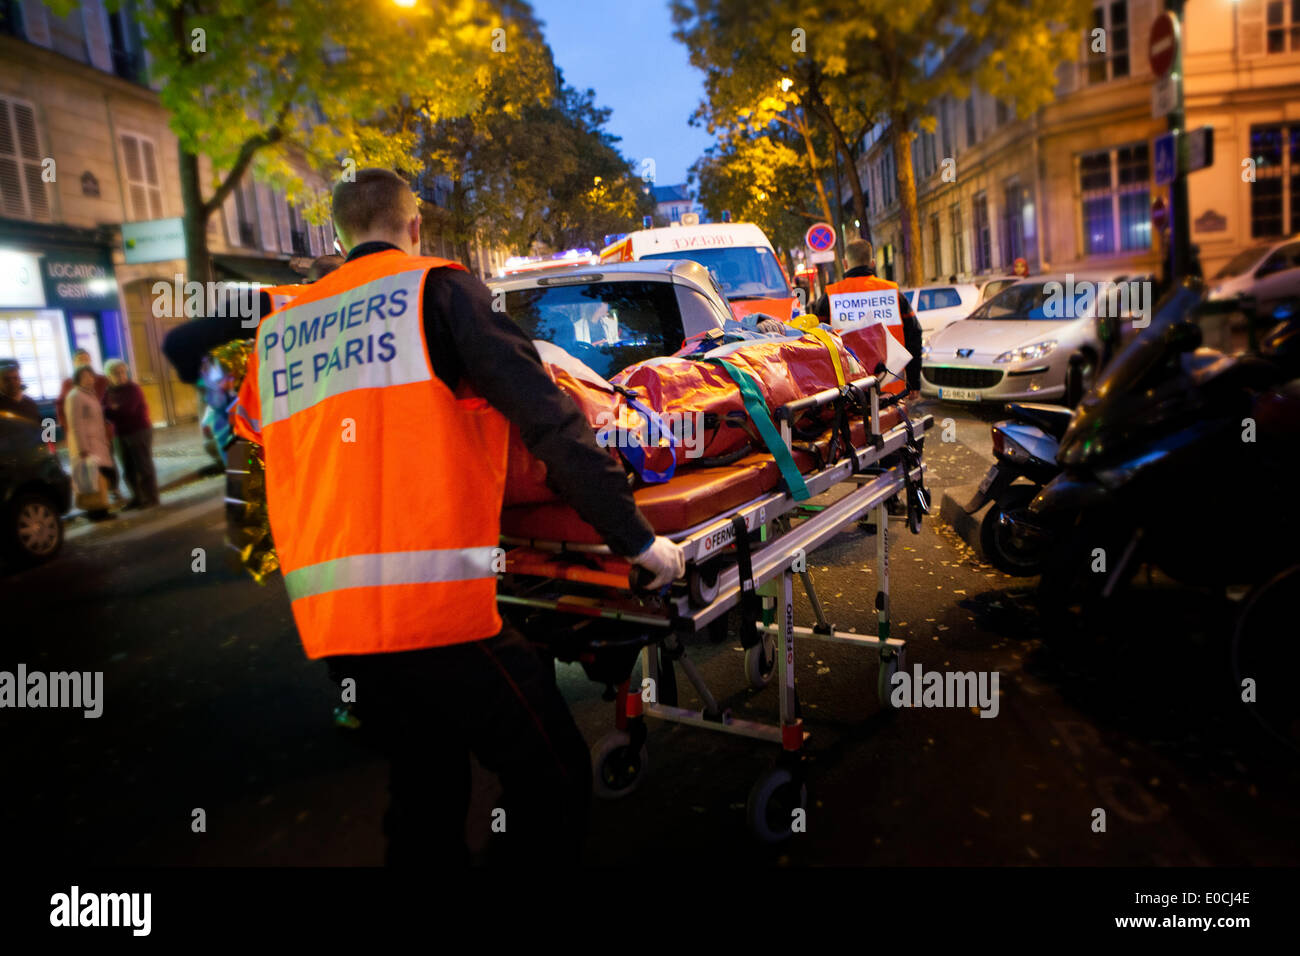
(1053,419)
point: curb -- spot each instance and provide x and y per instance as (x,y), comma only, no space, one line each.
(953,513)
(77,517)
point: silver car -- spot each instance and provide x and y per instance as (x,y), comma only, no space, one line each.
(1018,345)
(612,315)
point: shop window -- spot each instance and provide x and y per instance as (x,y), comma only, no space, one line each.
(143,184)
(23,193)
(38,342)
(936,244)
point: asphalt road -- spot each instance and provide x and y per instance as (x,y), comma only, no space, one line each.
(210,704)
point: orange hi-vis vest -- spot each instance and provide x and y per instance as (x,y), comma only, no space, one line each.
(282,295)
(867,300)
(383,487)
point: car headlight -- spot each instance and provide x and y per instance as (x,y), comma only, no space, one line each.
(1027,353)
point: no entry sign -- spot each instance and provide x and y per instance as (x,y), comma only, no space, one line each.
(1163,45)
(820,238)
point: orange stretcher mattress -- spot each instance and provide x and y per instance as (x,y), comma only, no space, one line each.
(691,498)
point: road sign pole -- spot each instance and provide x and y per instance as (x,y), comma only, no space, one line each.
(1180,236)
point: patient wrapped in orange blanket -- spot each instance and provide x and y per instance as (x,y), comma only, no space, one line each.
(667,414)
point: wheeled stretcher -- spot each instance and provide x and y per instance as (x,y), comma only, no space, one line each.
(746,536)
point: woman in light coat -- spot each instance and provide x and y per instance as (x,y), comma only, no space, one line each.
(87,429)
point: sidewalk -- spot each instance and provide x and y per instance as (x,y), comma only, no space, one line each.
(178,455)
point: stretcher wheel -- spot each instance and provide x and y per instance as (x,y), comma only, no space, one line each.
(702,581)
(617,770)
(771,805)
(760,662)
(889,666)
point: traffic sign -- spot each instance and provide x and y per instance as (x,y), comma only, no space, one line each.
(1200,149)
(825,255)
(1166,158)
(820,237)
(1162,48)
(1164,96)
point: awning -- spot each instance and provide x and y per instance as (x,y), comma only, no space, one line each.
(254,269)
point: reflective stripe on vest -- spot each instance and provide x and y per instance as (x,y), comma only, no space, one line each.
(383,487)
(403,567)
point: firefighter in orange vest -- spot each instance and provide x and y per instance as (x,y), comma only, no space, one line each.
(901,319)
(382,397)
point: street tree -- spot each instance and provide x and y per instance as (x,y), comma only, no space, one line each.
(340,84)
(859,63)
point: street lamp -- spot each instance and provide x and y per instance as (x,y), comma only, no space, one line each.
(404,3)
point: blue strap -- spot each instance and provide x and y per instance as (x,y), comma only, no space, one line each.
(635,454)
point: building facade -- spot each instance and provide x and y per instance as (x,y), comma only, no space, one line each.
(90,206)
(1073,186)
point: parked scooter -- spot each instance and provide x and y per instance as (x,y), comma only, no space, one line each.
(1025,448)
(1171,460)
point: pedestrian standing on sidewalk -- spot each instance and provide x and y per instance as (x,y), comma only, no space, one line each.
(80,360)
(88,430)
(12,398)
(125,407)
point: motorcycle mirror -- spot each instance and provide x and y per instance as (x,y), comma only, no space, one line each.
(1183,336)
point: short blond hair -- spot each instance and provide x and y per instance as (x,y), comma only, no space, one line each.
(859,252)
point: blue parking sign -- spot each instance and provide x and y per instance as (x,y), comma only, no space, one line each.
(1166,158)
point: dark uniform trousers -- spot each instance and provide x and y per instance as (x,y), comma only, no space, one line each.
(427,710)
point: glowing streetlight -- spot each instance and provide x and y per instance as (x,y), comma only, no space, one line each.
(404,3)
(786,83)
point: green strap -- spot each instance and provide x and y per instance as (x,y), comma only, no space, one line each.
(757,409)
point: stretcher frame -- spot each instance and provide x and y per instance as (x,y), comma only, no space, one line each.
(666,619)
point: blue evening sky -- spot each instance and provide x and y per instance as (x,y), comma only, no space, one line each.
(626,53)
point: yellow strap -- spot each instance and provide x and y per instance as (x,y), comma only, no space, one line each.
(824,337)
(805,323)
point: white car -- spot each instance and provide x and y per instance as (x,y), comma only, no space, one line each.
(612,315)
(1269,271)
(938,306)
(1017,346)
(990,286)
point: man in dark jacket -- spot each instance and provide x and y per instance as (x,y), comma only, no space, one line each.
(861,259)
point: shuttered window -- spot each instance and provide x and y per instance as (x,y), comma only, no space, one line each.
(143,185)
(23,193)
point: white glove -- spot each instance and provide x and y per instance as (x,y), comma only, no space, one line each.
(665,560)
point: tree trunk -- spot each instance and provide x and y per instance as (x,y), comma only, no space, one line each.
(198,260)
(909,225)
(815,168)
(822,111)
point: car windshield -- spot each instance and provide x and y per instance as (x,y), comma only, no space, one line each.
(1032,300)
(607,325)
(742,271)
(1243,262)
(996,286)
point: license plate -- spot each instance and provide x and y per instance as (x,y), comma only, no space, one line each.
(960,394)
(987,483)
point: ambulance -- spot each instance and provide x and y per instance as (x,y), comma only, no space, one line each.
(738,255)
